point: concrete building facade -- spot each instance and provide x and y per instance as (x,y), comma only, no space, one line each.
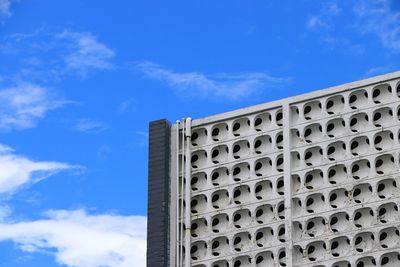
(310,180)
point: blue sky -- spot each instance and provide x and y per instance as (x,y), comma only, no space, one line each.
(80,81)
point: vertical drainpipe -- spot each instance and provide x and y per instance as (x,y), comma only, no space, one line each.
(177,250)
(188,125)
(287,182)
(181,215)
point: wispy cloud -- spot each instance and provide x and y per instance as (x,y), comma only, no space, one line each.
(316,22)
(379,18)
(103,152)
(86,52)
(47,56)
(5,149)
(78,239)
(17,171)
(325,18)
(126,105)
(22,106)
(142,134)
(335,42)
(324,24)
(378,70)
(142,138)
(226,85)
(5,6)
(89,125)
(5,211)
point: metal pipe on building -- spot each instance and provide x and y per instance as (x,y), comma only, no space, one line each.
(188,124)
(177,198)
(180,218)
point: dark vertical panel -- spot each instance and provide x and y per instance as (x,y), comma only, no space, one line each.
(158,194)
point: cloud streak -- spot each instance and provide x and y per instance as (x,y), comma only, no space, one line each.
(378,70)
(89,125)
(22,106)
(5,6)
(324,19)
(48,56)
(127,105)
(77,239)
(225,85)
(18,171)
(378,18)
(86,52)
(5,211)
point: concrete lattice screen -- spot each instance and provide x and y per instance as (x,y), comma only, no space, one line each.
(305,182)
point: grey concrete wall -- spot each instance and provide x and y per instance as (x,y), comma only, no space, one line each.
(308,181)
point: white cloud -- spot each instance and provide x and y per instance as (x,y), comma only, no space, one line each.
(22,106)
(325,17)
(5,8)
(103,152)
(5,149)
(127,105)
(332,8)
(324,23)
(379,18)
(46,55)
(5,211)
(86,52)
(195,84)
(143,134)
(334,42)
(378,70)
(78,239)
(316,22)
(142,138)
(17,171)
(89,125)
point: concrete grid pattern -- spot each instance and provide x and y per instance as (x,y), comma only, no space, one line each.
(306,181)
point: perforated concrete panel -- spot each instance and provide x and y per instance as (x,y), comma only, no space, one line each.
(311,180)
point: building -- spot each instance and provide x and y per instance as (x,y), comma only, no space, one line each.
(310,180)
